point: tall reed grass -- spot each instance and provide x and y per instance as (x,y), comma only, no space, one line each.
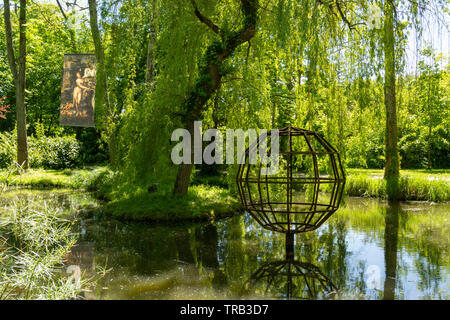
(34,245)
(411,187)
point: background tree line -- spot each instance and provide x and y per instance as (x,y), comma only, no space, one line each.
(320,65)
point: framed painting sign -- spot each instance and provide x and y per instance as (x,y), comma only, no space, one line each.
(78,90)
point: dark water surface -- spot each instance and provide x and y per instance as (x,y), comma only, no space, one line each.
(367,250)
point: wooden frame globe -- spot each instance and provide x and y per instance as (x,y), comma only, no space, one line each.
(304,193)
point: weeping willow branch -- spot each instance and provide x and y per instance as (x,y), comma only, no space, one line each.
(340,12)
(204,19)
(211,71)
(343,17)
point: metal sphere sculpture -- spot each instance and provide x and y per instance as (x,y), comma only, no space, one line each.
(306,190)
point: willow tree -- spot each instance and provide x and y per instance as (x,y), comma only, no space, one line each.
(150,61)
(288,34)
(18,68)
(210,75)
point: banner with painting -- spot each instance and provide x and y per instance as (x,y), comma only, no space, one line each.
(78,90)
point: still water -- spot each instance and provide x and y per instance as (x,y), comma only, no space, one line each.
(366,250)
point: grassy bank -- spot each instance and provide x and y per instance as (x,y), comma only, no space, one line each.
(205,201)
(200,203)
(420,185)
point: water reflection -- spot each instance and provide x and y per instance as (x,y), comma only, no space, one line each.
(390,249)
(293,279)
(367,250)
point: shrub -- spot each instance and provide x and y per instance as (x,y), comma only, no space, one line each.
(45,152)
(7,150)
(412,149)
(99,181)
(58,152)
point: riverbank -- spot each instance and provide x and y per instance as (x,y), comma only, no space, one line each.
(202,202)
(44,179)
(208,201)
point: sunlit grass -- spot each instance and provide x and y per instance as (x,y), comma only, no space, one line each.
(433,173)
(201,202)
(414,184)
(41,178)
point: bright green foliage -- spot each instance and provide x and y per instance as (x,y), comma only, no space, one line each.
(307,66)
(44,152)
(8,149)
(48,38)
(57,153)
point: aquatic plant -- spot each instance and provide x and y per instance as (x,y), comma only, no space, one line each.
(34,245)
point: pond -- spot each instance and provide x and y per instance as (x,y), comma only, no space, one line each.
(366,250)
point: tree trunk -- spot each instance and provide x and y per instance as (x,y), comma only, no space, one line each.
(210,77)
(102,105)
(429,127)
(185,169)
(392,167)
(101,97)
(150,70)
(18,72)
(429,147)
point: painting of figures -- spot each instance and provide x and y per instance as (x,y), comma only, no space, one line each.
(78,90)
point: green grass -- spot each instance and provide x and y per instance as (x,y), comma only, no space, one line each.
(433,173)
(40,178)
(420,185)
(200,203)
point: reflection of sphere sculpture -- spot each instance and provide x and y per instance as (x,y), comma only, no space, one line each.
(291,279)
(304,192)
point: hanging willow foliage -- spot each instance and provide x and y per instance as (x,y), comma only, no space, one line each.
(314,64)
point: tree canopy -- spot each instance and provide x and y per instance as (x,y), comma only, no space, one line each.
(313,64)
